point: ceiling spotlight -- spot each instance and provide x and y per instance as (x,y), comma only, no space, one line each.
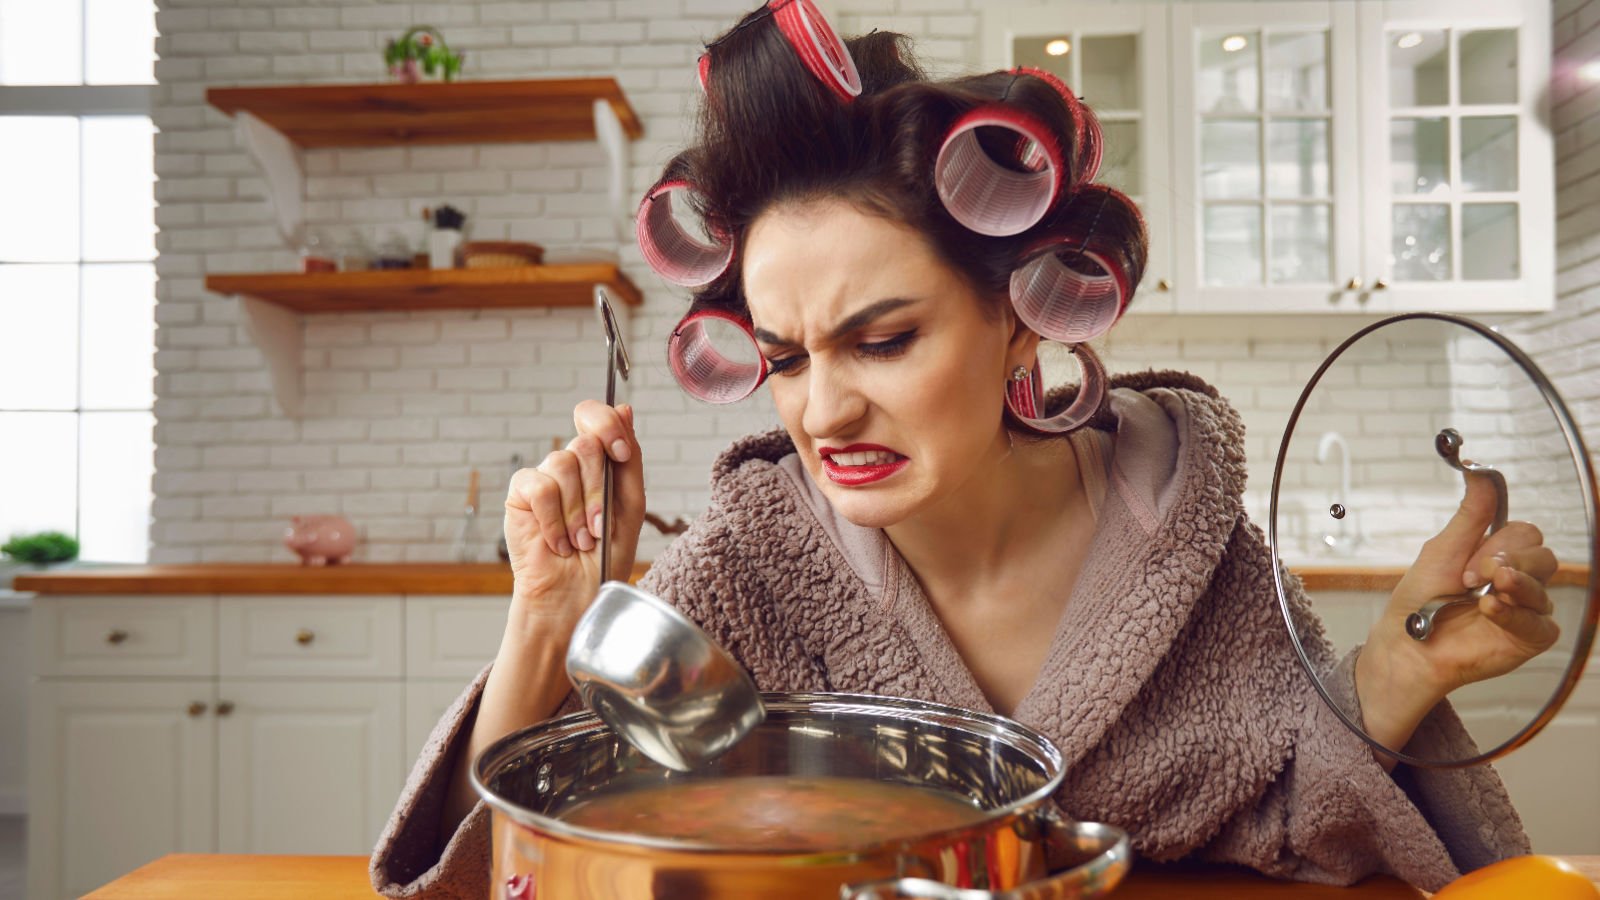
(1057,47)
(1408,40)
(1589,72)
(1233,43)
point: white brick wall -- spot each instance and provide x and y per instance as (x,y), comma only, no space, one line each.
(400,405)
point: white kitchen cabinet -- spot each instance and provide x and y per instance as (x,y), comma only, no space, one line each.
(1321,157)
(301,636)
(1117,60)
(307,768)
(120,772)
(235,724)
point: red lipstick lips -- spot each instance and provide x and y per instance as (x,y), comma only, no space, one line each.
(855,475)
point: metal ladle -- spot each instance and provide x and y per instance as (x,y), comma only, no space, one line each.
(647,671)
(1448,445)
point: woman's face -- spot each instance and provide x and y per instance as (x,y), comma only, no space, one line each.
(887,367)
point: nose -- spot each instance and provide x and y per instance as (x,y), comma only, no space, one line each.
(833,401)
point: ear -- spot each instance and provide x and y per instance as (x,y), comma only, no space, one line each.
(1022,348)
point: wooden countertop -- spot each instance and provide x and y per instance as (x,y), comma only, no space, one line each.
(185,876)
(270,578)
(481,578)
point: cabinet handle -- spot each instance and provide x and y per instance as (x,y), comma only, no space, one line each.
(1380,284)
(1354,285)
(1163,285)
(197,709)
(304,637)
(116,636)
(225,708)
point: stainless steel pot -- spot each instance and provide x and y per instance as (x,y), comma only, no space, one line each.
(530,777)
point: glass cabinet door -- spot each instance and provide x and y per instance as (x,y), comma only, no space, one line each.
(1264,125)
(1114,57)
(1459,165)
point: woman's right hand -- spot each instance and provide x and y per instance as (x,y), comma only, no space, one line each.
(553,513)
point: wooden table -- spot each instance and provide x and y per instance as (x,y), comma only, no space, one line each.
(196,876)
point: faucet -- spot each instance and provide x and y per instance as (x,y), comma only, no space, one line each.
(1340,543)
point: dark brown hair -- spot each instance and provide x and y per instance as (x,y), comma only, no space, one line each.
(770,132)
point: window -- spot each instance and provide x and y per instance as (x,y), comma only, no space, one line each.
(77,272)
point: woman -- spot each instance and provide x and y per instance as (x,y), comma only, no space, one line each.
(920,528)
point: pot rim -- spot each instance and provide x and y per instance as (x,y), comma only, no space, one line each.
(1009,731)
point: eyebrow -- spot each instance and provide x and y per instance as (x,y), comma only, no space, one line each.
(851,322)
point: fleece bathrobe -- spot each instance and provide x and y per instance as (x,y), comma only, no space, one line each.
(1171,687)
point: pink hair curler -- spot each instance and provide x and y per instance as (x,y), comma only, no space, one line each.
(674,253)
(1025,398)
(818,46)
(815,43)
(987,196)
(1054,295)
(703,370)
(1087,135)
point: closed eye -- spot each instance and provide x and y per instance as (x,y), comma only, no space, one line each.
(879,350)
(889,349)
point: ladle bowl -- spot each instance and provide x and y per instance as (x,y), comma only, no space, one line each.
(659,681)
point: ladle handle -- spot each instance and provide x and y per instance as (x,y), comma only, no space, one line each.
(1419,625)
(616,361)
(1103,848)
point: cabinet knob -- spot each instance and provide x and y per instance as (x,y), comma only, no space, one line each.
(1163,285)
(1380,284)
(304,636)
(197,709)
(225,708)
(1353,285)
(116,636)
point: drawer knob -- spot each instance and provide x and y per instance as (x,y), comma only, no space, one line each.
(304,637)
(1353,284)
(197,709)
(1380,285)
(116,636)
(225,708)
(1163,285)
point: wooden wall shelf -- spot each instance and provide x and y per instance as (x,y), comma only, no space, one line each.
(458,112)
(568,284)
(274,301)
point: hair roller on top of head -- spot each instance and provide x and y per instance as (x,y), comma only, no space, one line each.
(813,40)
(998,197)
(704,371)
(671,250)
(1025,398)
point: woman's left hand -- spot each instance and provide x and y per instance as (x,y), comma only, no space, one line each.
(1399,679)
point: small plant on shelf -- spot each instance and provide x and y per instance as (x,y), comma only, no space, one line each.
(42,548)
(424,47)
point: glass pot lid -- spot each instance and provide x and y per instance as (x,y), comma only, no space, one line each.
(1409,421)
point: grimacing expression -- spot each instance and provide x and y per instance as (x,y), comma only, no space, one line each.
(887,367)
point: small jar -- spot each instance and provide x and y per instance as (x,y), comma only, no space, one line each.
(317,254)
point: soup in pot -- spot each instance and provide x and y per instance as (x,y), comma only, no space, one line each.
(770,812)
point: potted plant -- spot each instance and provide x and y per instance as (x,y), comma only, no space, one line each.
(34,551)
(41,548)
(424,47)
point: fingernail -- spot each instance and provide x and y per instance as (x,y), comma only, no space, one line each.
(1471,579)
(585,540)
(564,548)
(598,525)
(619,450)
(1501,560)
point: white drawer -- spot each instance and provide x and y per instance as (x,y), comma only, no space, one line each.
(300,634)
(157,635)
(453,636)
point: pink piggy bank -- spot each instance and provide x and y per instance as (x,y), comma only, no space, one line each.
(320,540)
